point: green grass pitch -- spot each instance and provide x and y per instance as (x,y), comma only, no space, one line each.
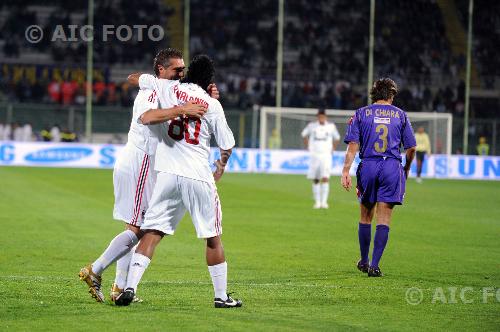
(294,267)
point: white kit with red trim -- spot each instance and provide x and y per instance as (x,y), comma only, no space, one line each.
(133,173)
(185,142)
(185,181)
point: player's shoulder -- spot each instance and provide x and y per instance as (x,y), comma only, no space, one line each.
(397,109)
(214,103)
(144,95)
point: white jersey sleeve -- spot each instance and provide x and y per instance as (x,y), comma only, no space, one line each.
(335,133)
(144,137)
(218,126)
(145,100)
(147,81)
(307,131)
(163,88)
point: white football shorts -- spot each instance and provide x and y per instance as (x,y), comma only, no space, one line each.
(173,195)
(133,180)
(320,166)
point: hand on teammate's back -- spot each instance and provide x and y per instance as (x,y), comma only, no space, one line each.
(194,110)
(213,91)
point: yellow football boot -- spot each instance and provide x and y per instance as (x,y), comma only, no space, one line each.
(93,281)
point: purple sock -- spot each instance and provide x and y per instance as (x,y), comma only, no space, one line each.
(365,237)
(379,242)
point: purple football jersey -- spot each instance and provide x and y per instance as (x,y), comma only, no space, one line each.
(380,130)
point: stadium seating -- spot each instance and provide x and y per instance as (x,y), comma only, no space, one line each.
(325,59)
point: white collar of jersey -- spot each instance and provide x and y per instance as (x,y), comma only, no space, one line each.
(194,86)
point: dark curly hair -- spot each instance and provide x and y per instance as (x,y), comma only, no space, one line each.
(201,71)
(163,57)
(383,89)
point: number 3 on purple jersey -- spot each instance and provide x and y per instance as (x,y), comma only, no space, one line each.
(383,131)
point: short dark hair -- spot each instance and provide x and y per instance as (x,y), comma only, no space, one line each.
(383,89)
(201,71)
(163,57)
(321,111)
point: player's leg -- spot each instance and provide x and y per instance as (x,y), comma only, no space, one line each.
(129,178)
(122,267)
(314,175)
(366,190)
(384,213)
(390,192)
(325,170)
(365,234)
(420,162)
(123,264)
(316,188)
(217,267)
(162,217)
(202,201)
(117,248)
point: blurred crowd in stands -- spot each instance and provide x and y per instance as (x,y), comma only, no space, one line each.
(53,13)
(486,34)
(24,133)
(68,92)
(325,51)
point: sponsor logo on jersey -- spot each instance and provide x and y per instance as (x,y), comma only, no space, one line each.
(55,155)
(382,120)
(296,164)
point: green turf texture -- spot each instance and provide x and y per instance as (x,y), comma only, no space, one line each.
(294,267)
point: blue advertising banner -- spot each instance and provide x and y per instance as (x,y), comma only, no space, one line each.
(242,160)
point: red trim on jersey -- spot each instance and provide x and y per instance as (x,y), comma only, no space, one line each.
(217,214)
(151,98)
(143,174)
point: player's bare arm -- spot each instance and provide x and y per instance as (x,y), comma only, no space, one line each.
(335,144)
(352,148)
(133,79)
(306,142)
(155,116)
(221,163)
(410,155)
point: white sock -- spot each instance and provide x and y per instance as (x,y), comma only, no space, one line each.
(119,246)
(122,266)
(138,264)
(316,192)
(325,190)
(219,280)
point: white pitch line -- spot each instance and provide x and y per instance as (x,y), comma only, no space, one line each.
(187,282)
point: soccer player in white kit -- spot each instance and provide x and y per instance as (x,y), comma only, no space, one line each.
(134,176)
(185,180)
(321,138)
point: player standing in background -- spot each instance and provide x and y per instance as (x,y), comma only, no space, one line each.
(321,138)
(185,180)
(423,147)
(378,131)
(134,176)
